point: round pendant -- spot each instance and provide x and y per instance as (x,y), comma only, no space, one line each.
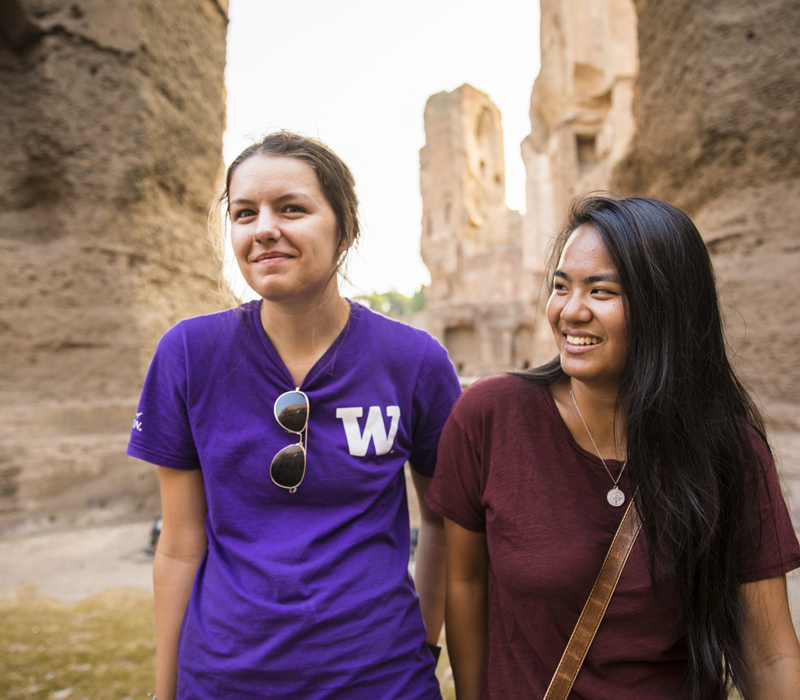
(615,497)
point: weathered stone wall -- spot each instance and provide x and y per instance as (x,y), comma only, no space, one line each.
(471,241)
(581,125)
(718,135)
(581,109)
(111,120)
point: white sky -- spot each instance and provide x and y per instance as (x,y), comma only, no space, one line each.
(357,74)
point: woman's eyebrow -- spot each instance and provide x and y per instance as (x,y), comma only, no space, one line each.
(291,195)
(278,200)
(606,277)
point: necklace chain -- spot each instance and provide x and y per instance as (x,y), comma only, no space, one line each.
(615,496)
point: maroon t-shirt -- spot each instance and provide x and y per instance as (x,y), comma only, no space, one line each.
(508,466)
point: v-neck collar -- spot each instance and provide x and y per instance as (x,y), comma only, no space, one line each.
(562,428)
(320,365)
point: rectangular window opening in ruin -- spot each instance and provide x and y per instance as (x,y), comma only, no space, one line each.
(587,151)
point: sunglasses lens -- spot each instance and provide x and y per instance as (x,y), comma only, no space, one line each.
(291,411)
(288,467)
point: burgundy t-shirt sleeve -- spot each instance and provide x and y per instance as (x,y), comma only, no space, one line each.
(773,549)
(456,491)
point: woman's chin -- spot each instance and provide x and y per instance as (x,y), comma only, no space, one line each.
(587,373)
(291,295)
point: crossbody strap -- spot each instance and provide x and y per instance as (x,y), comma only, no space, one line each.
(595,608)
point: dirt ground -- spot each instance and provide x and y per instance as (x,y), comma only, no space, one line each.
(76,615)
(84,597)
(75,564)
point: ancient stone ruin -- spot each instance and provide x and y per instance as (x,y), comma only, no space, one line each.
(110,139)
(694,102)
(690,101)
(471,241)
(487,290)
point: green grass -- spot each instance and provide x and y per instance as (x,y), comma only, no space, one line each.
(101,648)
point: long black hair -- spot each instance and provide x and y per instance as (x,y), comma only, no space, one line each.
(687,420)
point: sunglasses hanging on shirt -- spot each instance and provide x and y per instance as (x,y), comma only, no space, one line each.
(289,466)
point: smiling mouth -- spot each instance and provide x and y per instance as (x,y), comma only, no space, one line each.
(583,340)
(272,256)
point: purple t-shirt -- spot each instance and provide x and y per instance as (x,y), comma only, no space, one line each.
(510,468)
(306,594)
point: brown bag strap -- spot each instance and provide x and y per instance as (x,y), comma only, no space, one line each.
(595,608)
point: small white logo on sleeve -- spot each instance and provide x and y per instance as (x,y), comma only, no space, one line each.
(137,424)
(374,430)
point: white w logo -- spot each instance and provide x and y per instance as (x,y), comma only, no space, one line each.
(374,430)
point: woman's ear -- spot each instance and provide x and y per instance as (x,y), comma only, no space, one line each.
(343,247)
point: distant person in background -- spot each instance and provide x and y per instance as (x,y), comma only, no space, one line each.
(536,470)
(281,430)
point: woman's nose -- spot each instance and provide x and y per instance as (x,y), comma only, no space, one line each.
(576,310)
(267,228)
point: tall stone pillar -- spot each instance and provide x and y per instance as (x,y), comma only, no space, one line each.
(470,238)
(581,121)
(110,138)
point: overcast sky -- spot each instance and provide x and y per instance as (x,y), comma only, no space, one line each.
(357,74)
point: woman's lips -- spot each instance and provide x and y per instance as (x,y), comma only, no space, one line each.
(577,344)
(582,339)
(272,258)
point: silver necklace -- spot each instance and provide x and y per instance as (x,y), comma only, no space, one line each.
(615,496)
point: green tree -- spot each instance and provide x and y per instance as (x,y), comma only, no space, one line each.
(394,304)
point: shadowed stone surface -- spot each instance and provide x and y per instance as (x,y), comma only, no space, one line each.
(110,137)
(718,136)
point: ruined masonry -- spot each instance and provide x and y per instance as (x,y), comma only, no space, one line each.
(691,101)
(111,140)
(471,241)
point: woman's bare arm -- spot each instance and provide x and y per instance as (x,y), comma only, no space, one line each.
(466,608)
(181,547)
(771,644)
(429,571)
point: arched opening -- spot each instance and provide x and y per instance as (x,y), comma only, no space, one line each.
(522,347)
(462,346)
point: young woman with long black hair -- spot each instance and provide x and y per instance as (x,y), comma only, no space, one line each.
(641,403)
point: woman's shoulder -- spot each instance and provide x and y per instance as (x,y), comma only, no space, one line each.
(505,393)
(209,329)
(385,325)
(394,338)
(504,385)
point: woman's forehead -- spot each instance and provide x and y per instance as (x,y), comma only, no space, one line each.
(266,171)
(585,249)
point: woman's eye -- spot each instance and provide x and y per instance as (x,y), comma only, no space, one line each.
(293,209)
(243,214)
(559,287)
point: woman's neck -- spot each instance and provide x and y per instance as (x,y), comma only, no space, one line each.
(591,410)
(302,333)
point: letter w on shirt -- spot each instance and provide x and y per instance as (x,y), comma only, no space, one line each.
(374,430)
